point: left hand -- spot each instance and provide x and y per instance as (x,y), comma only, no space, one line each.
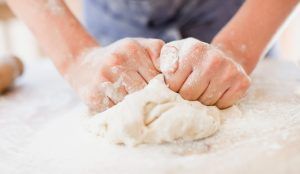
(199,71)
(105,75)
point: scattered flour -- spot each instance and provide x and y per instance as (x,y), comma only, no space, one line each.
(297,92)
(44,134)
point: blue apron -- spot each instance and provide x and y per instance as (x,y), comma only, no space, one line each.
(110,20)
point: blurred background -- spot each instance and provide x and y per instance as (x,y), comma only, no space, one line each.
(17,39)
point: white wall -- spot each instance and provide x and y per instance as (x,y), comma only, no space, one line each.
(17,39)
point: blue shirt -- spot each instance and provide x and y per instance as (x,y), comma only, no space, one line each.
(110,20)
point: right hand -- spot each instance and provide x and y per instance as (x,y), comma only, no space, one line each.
(202,72)
(104,76)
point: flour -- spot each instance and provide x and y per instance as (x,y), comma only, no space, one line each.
(297,92)
(173,51)
(169,62)
(56,7)
(112,90)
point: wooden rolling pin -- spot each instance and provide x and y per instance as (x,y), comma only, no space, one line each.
(11,68)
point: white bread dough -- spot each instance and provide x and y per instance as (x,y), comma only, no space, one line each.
(155,115)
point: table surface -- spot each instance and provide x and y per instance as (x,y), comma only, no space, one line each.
(41,131)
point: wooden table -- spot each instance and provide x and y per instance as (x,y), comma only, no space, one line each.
(41,132)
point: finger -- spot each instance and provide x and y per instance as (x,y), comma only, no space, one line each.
(153,48)
(220,81)
(195,85)
(127,81)
(229,98)
(99,102)
(143,63)
(174,68)
(145,67)
(176,80)
(123,82)
(189,53)
(133,81)
(113,86)
(169,57)
(115,91)
(135,58)
(213,93)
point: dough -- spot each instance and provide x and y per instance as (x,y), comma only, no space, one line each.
(155,115)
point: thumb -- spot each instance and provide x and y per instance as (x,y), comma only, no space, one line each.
(169,57)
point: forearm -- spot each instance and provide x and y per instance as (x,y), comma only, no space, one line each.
(250,31)
(57,30)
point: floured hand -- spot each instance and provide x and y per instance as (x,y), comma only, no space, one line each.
(104,76)
(199,71)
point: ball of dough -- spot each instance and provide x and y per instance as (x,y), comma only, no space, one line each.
(155,115)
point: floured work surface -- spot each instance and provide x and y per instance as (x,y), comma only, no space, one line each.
(41,132)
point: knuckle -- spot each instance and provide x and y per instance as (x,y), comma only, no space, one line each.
(115,59)
(245,83)
(193,45)
(156,48)
(196,45)
(129,44)
(215,62)
(171,44)
(175,44)
(104,72)
(158,42)
(185,94)
(173,87)
(197,49)
(205,100)
(172,83)
(192,40)
(229,75)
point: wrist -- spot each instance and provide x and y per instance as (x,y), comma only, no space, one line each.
(239,52)
(74,55)
(75,64)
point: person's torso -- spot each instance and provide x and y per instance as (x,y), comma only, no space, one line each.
(109,20)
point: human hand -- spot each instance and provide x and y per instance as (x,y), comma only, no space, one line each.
(199,71)
(104,76)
